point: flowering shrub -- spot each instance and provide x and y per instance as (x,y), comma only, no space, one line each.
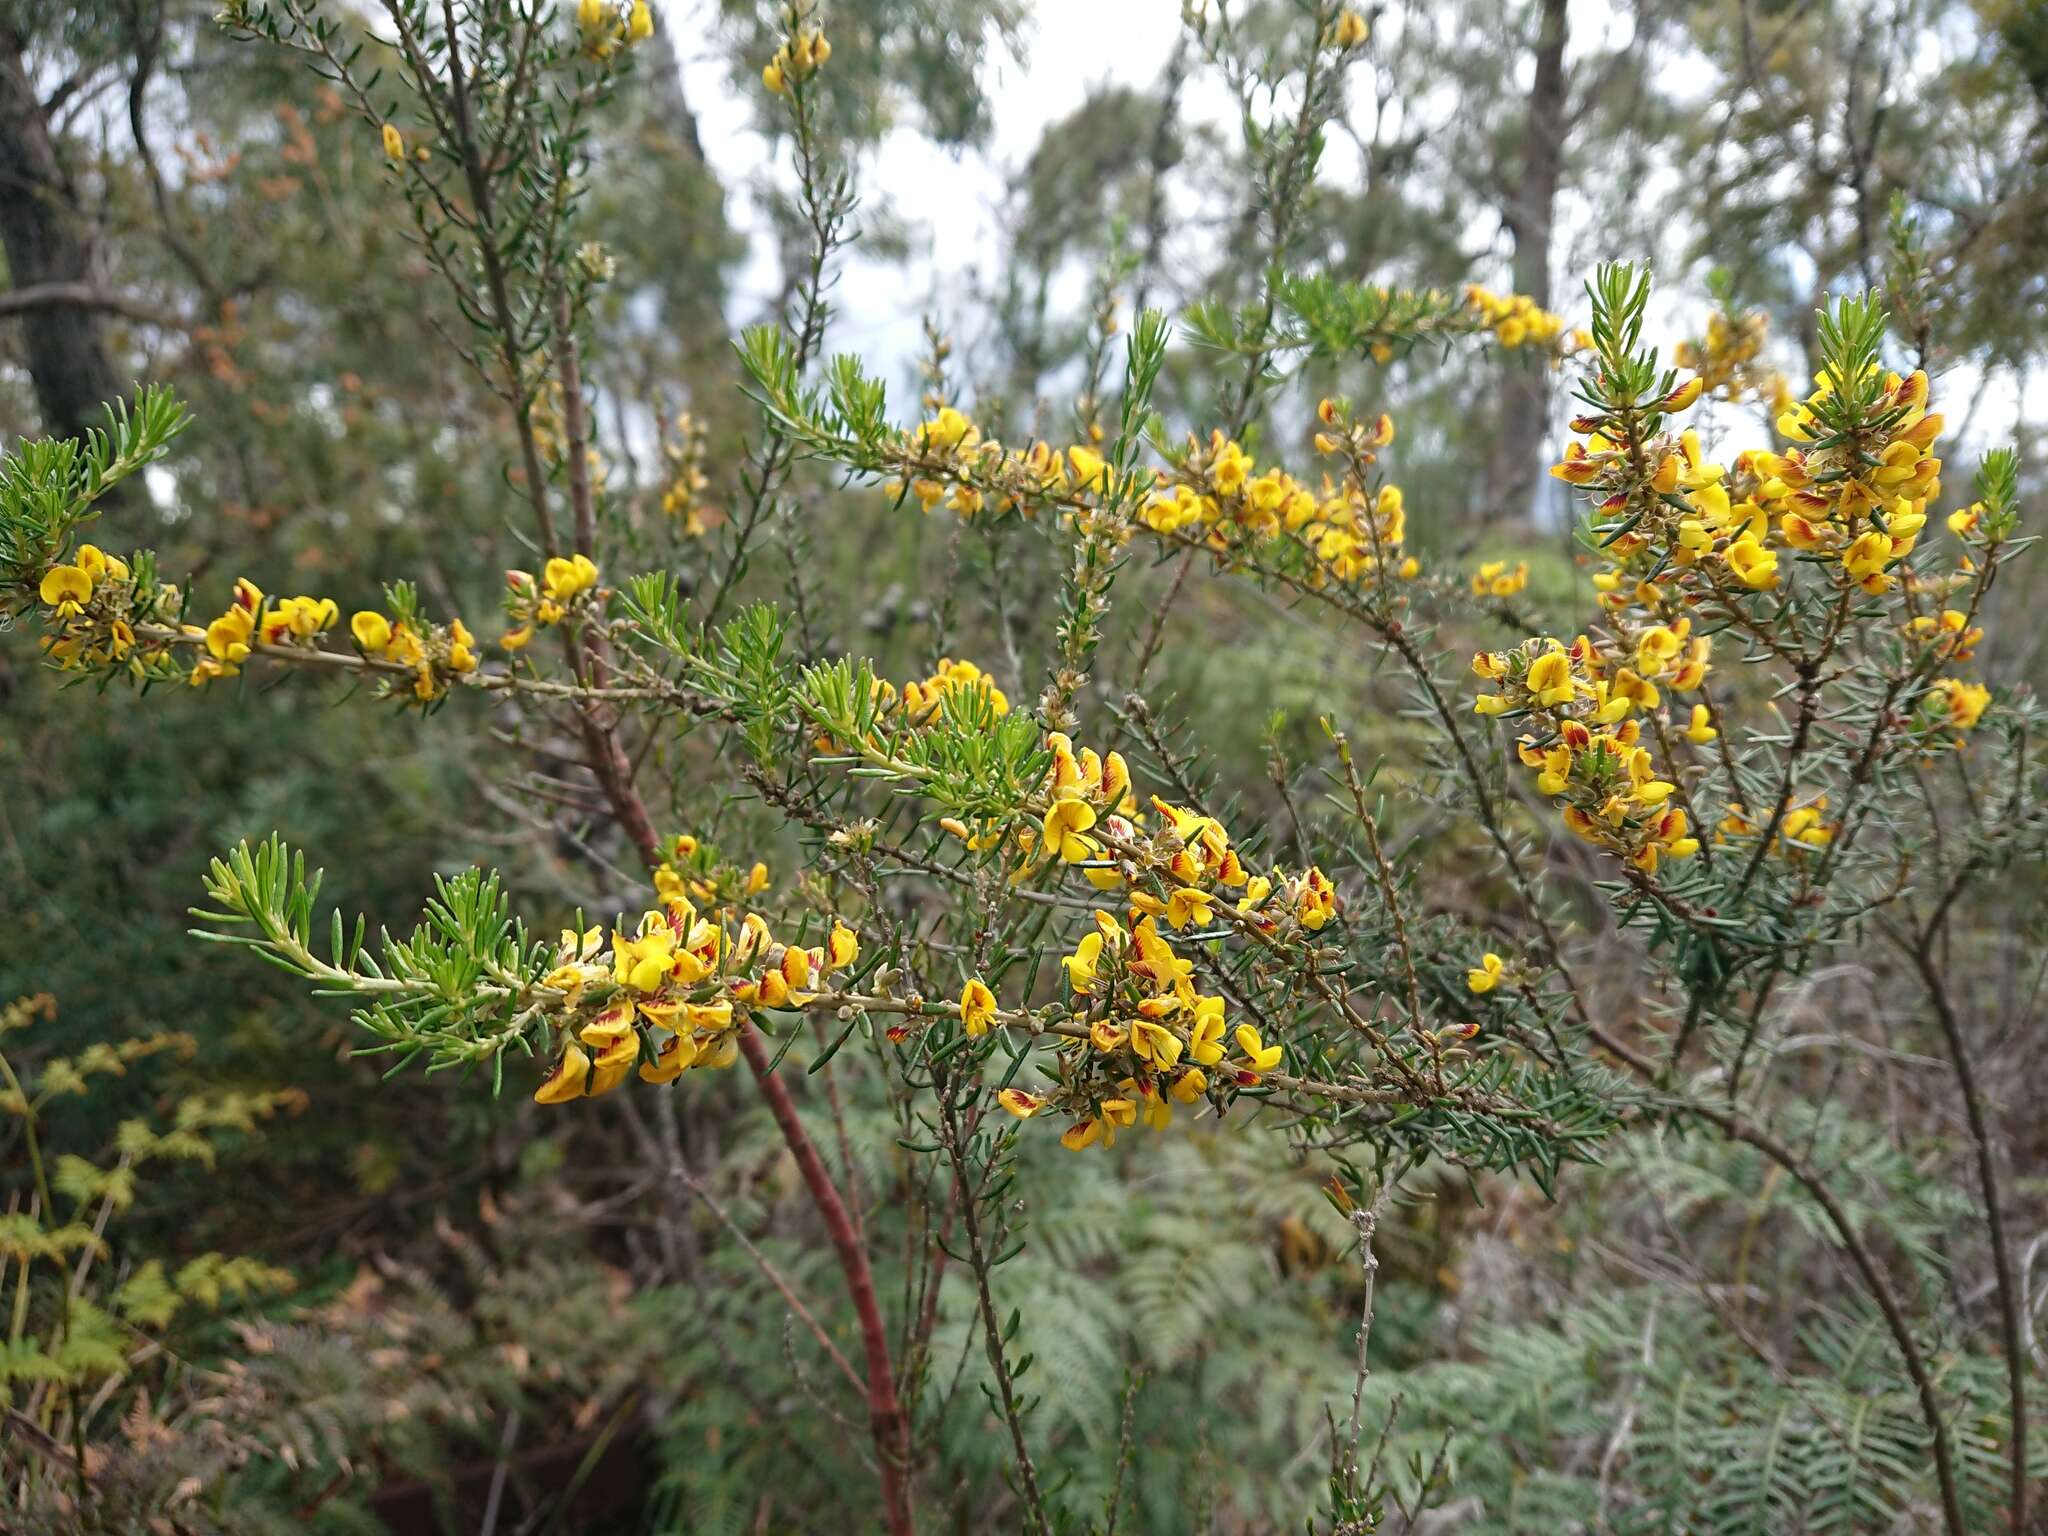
(1101,951)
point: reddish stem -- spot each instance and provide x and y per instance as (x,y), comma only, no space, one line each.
(885,1414)
(886,1418)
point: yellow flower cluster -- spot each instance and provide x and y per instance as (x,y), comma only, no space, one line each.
(1350,533)
(684,453)
(545,416)
(677,991)
(948,461)
(1152,1040)
(100,618)
(1091,819)
(1494,579)
(535,605)
(1802,828)
(1950,633)
(1863,504)
(1085,793)
(921,700)
(90,600)
(1587,754)
(1349,30)
(703,880)
(1726,359)
(1211,493)
(433,652)
(1952,704)
(1514,318)
(601,26)
(802,56)
(249,621)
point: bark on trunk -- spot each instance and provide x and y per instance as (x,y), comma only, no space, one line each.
(1530,215)
(66,353)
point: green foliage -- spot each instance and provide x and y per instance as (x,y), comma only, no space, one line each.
(459,990)
(48,486)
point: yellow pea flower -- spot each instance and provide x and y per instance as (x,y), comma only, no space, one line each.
(1107,1037)
(1116,780)
(1658,646)
(100,565)
(227,637)
(644,963)
(1081,1135)
(1486,975)
(1064,826)
(842,948)
(66,588)
(711,1016)
(372,630)
(563,579)
(1229,464)
(1315,902)
(1683,397)
(1153,1109)
(639,23)
(1959,703)
(1701,731)
(1867,557)
(668,885)
(1187,905)
(671,1059)
(1261,1058)
(1155,1043)
(617,1045)
(394,142)
(566,1081)
(1019,1103)
(1550,678)
(1190,1085)
(977,1006)
(1091,470)
(1082,964)
(1754,566)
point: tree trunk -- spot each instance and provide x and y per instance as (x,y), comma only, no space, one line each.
(1530,215)
(67,358)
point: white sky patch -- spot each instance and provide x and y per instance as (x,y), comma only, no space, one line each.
(949,201)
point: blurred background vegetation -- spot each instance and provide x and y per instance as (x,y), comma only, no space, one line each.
(476,1290)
